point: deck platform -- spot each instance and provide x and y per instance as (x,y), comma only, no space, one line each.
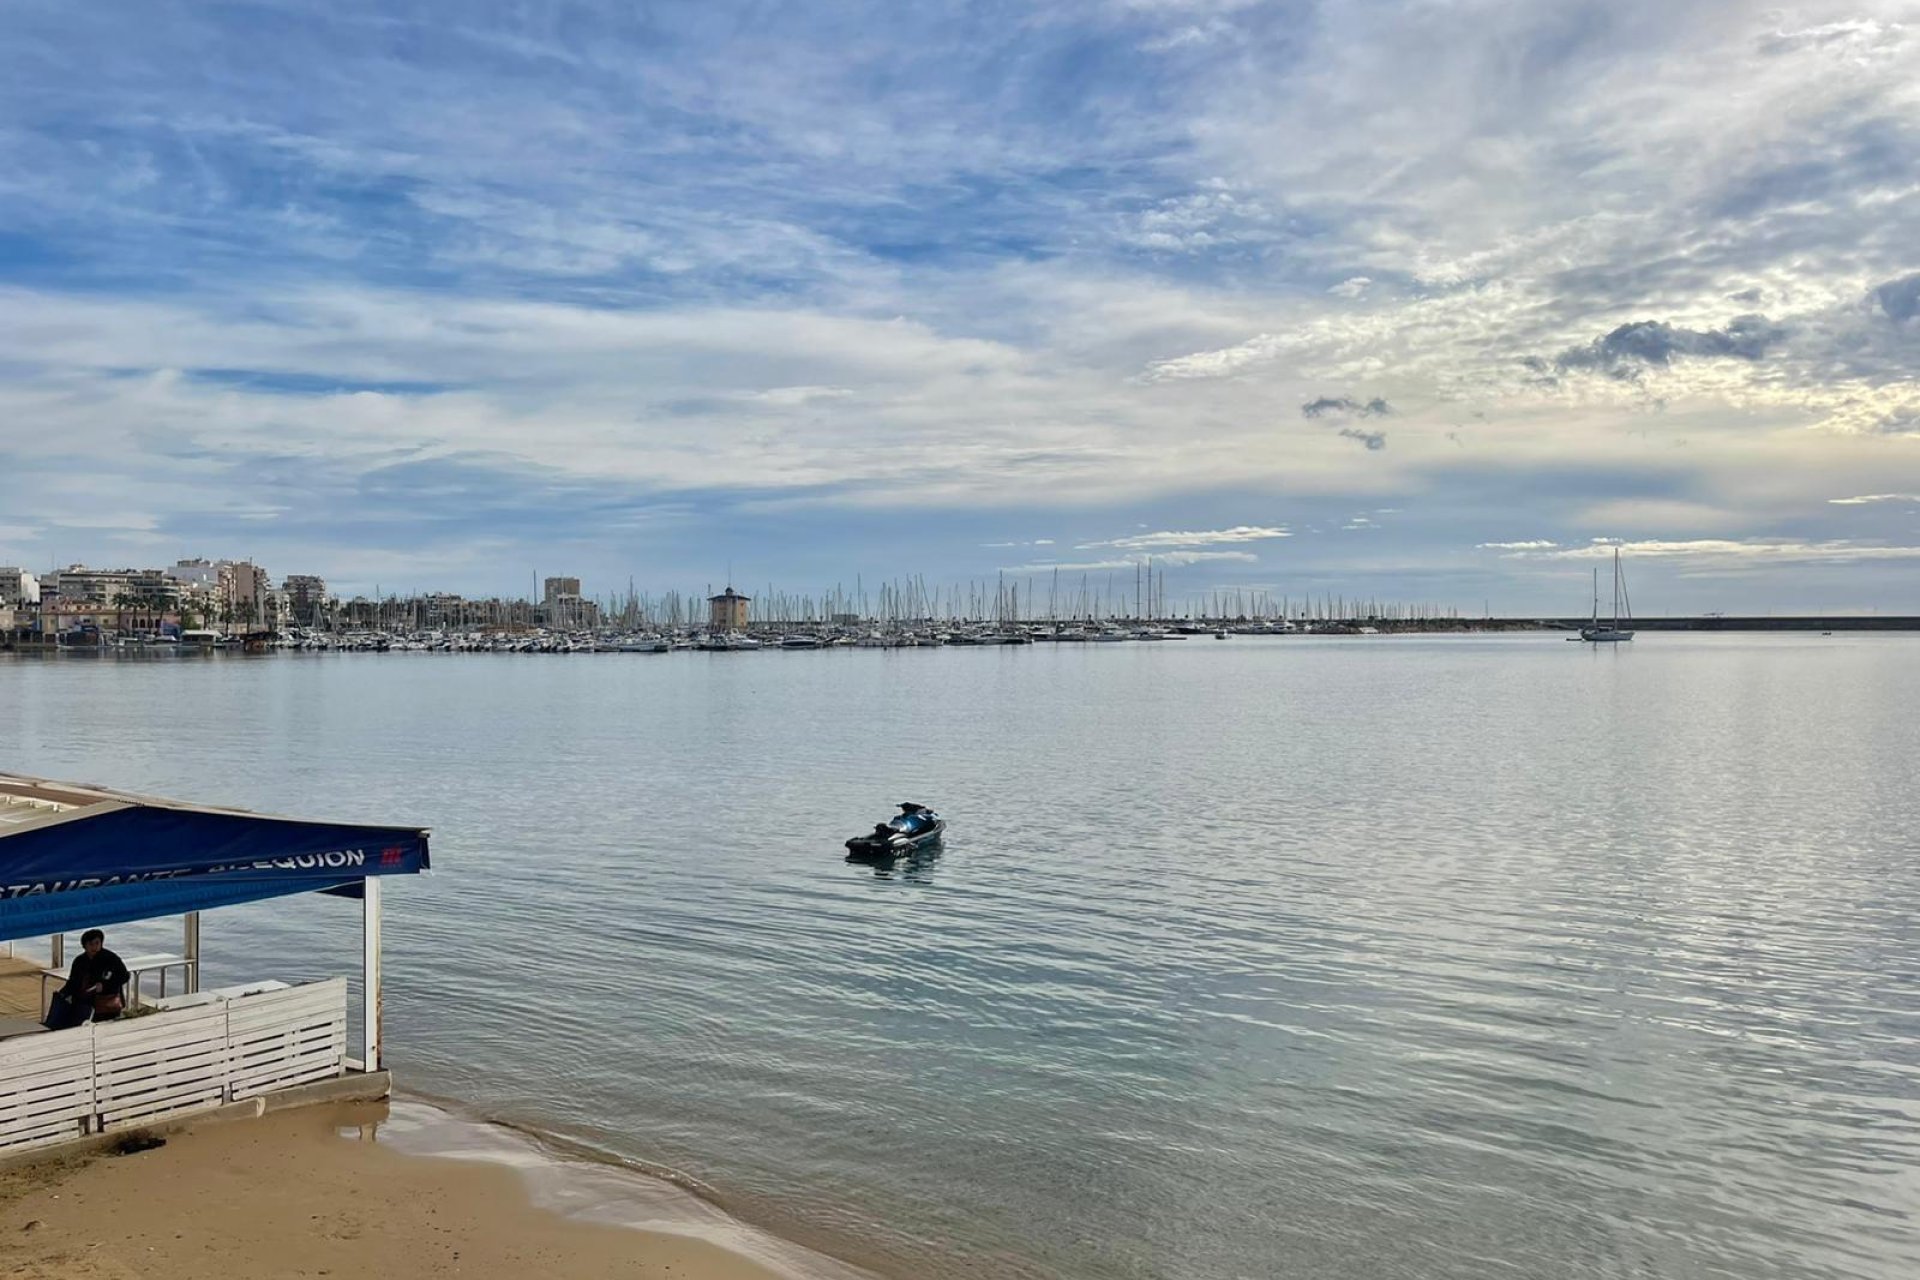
(20,987)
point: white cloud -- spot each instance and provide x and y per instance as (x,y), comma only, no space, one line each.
(1837,550)
(793,397)
(1199,33)
(1191,538)
(1223,363)
(1531,544)
(1865,498)
(1171,559)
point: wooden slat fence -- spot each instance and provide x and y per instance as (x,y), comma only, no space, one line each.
(115,1075)
(284,1038)
(46,1088)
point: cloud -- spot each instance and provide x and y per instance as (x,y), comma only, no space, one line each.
(1829,551)
(1343,406)
(1865,498)
(1171,559)
(1900,299)
(1223,363)
(1193,538)
(1852,36)
(791,397)
(1214,218)
(1043,271)
(1627,350)
(1530,544)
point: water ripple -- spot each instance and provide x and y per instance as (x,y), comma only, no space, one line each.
(1408,958)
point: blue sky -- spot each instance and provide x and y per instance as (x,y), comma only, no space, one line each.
(1435,302)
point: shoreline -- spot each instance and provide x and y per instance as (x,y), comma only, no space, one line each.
(582,1180)
(402,1187)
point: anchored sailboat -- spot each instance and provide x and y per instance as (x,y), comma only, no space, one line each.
(1596,632)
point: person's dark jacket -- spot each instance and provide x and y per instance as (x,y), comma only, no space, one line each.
(104,968)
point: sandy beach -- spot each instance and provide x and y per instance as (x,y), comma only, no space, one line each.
(300,1193)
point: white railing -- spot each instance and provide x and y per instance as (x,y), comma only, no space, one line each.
(115,1075)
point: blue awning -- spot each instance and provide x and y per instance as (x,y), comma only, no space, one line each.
(73,857)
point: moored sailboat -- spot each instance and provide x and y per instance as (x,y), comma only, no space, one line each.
(1597,633)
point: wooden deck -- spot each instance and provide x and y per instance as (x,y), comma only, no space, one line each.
(19,987)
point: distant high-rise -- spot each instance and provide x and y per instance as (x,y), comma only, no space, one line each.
(252,595)
(727,611)
(306,598)
(563,603)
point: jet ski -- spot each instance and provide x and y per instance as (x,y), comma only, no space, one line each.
(914,827)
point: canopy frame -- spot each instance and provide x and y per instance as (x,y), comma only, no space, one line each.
(75,856)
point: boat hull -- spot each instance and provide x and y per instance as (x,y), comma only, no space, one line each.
(896,842)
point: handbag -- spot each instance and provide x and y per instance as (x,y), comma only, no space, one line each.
(107,1005)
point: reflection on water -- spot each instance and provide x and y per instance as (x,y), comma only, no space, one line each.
(360,1121)
(1352,959)
(915,866)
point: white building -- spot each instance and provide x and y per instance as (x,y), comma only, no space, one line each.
(231,591)
(77,584)
(205,577)
(18,587)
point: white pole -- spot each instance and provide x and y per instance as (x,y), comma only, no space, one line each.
(370,975)
(190,949)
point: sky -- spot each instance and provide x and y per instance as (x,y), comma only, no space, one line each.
(1437,302)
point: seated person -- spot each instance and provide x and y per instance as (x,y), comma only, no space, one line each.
(94,988)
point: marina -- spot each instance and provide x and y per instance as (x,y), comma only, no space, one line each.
(159,619)
(784,638)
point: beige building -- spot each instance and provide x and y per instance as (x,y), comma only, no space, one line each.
(253,603)
(727,611)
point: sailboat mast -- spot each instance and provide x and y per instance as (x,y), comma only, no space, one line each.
(1616,588)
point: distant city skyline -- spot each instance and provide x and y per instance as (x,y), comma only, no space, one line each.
(1433,305)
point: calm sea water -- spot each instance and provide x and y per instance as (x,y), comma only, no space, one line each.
(1339,958)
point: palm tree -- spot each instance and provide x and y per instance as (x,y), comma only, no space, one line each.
(122,603)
